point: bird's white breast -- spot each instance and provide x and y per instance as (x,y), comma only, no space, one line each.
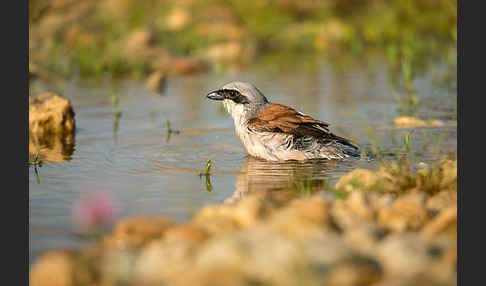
(267,145)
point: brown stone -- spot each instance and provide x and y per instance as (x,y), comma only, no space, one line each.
(356,271)
(304,217)
(449,175)
(366,180)
(314,208)
(210,220)
(435,123)
(53,269)
(410,256)
(444,222)
(250,211)
(244,214)
(87,264)
(50,114)
(365,238)
(422,279)
(406,213)
(409,122)
(263,255)
(162,262)
(136,231)
(215,276)
(442,200)
(156,81)
(187,234)
(352,211)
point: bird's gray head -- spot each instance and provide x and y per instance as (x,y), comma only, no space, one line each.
(241,99)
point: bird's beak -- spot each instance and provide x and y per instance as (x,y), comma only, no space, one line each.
(215,95)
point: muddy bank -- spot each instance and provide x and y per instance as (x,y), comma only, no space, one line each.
(382,232)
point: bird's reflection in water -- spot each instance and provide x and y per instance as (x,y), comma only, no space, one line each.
(283,180)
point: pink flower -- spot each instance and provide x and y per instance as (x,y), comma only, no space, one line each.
(94,210)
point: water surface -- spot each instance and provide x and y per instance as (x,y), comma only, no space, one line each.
(148,171)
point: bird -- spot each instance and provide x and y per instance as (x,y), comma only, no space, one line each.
(276,132)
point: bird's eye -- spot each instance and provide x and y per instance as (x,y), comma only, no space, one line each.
(232,94)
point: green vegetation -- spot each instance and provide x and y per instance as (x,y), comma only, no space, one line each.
(37,162)
(207,174)
(170,131)
(408,104)
(117,113)
(134,38)
(207,169)
(402,170)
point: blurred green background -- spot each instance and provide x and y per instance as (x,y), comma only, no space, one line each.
(133,38)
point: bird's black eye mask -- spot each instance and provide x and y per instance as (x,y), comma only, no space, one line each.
(235,96)
(230,94)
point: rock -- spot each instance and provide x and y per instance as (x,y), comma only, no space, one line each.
(53,268)
(325,250)
(364,180)
(398,179)
(365,238)
(380,201)
(50,114)
(266,257)
(448,170)
(117,267)
(352,211)
(408,256)
(414,281)
(305,217)
(314,209)
(355,271)
(409,122)
(156,82)
(216,276)
(162,262)
(442,200)
(88,264)
(187,234)
(210,220)
(246,213)
(136,231)
(406,213)
(435,123)
(251,211)
(444,222)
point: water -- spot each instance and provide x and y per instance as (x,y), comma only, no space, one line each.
(149,172)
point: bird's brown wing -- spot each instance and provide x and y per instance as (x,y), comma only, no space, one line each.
(283,119)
